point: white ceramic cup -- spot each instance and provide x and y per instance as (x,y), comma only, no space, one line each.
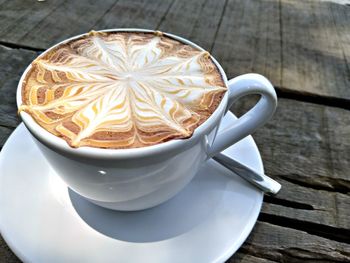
(135,179)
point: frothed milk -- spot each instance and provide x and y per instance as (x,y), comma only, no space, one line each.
(122,90)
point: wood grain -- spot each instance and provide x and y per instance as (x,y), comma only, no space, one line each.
(5,132)
(241,257)
(135,14)
(70,18)
(248,40)
(6,255)
(195,20)
(300,46)
(283,244)
(12,64)
(327,208)
(18,17)
(313,54)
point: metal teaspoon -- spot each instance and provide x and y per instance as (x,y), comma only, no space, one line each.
(261,181)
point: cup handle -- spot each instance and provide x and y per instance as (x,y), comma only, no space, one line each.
(257,116)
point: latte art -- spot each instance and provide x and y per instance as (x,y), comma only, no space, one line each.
(122,90)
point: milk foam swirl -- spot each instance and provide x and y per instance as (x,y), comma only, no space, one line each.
(122,90)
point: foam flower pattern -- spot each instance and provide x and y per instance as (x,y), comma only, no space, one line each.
(122,90)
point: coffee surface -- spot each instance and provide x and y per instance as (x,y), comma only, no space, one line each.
(122,90)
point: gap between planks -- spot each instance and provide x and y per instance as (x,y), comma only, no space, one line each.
(18,46)
(305,96)
(328,232)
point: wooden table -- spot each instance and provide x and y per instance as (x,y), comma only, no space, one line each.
(303,47)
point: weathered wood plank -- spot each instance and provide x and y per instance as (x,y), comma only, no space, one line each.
(241,257)
(4,134)
(206,26)
(135,14)
(1,2)
(8,108)
(195,20)
(12,63)
(282,244)
(313,57)
(18,17)
(68,19)
(6,255)
(248,39)
(327,208)
(341,19)
(300,46)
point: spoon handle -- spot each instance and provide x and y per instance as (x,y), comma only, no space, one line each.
(262,181)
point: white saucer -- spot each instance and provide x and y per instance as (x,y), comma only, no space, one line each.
(43,221)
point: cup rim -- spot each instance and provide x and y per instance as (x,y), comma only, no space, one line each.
(57,143)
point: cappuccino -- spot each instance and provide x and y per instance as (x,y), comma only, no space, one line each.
(122,89)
